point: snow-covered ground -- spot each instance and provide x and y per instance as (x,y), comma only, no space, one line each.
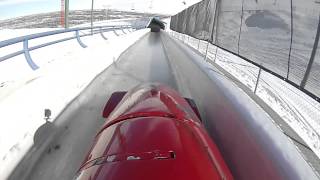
(65,70)
(301,112)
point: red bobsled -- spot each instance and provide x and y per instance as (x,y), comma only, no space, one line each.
(152,133)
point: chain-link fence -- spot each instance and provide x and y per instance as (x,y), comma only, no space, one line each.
(281,36)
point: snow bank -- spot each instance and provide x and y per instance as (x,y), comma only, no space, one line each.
(65,70)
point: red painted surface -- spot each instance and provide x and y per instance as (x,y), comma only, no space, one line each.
(62,13)
(153,134)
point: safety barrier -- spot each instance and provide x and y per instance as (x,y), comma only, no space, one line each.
(25,40)
(248,137)
(281,37)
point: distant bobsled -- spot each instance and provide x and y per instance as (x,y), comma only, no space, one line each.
(155,24)
(151,132)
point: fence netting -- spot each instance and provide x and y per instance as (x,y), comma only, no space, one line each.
(282,36)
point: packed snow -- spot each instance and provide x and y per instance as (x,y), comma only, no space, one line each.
(65,70)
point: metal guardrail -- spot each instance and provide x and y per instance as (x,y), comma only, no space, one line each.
(25,39)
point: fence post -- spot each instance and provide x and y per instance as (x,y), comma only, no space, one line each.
(313,53)
(206,56)
(198,44)
(91,19)
(215,55)
(257,82)
(66,14)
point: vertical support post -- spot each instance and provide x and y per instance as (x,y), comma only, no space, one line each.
(92,1)
(66,14)
(216,12)
(206,56)
(313,54)
(107,13)
(198,45)
(258,79)
(215,55)
(62,14)
(291,39)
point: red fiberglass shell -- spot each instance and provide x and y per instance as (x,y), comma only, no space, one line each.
(153,134)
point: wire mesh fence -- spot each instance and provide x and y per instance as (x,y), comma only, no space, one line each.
(298,110)
(282,36)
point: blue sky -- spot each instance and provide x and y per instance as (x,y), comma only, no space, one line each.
(15,8)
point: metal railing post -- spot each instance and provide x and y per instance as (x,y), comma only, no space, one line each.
(115,32)
(28,57)
(102,35)
(79,40)
(123,30)
(258,79)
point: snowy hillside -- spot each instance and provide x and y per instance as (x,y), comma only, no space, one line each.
(76,17)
